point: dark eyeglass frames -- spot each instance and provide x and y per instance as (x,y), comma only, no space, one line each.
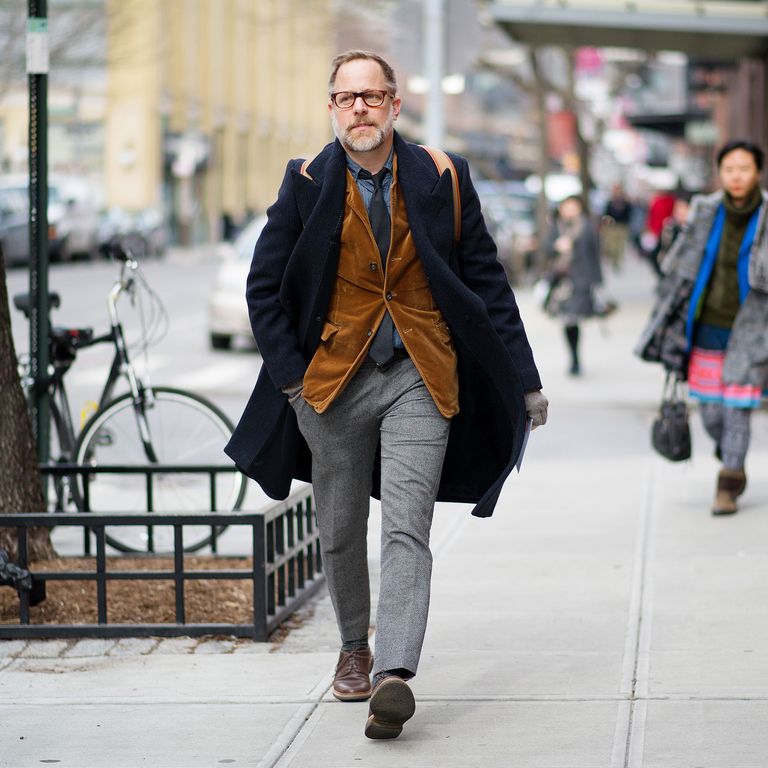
(346,99)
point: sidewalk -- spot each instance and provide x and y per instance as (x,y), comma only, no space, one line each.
(601,619)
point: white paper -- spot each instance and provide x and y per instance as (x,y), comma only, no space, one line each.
(37,46)
(528,428)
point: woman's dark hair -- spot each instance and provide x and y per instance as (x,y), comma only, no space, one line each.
(747,146)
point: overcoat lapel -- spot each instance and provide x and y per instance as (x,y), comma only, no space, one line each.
(322,194)
(320,200)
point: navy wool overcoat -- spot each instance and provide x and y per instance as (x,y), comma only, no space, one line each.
(289,286)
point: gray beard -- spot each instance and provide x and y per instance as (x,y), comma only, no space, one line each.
(363,143)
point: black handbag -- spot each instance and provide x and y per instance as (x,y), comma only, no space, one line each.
(671,433)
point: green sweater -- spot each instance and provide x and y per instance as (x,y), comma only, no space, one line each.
(721,301)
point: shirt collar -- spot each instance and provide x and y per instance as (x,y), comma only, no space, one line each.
(355,168)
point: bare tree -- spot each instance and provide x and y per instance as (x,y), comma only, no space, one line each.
(20,485)
(77,39)
(541,81)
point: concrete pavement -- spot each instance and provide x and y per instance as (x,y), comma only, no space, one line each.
(601,619)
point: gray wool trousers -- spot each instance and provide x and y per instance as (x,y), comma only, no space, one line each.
(395,407)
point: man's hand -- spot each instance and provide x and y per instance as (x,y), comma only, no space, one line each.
(293,390)
(536,407)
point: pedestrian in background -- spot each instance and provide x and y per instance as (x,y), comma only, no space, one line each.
(614,229)
(573,250)
(673,226)
(395,364)
(719,264)
(660,207)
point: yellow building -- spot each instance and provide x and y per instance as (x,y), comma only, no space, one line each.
(207,100)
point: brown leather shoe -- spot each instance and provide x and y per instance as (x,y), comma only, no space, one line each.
(352,680)
(730,484)
(392,703)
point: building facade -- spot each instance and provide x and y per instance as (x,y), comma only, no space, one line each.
(207,99)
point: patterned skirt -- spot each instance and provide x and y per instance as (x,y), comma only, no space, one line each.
(705,372)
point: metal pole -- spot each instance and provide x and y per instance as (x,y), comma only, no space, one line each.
(434,43)
(37,68)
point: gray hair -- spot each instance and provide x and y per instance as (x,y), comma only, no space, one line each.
(347,56)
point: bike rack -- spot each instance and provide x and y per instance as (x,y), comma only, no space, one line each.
(286,565)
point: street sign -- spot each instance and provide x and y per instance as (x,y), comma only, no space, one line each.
(37,46)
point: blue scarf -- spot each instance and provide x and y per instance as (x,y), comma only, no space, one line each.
(708,265)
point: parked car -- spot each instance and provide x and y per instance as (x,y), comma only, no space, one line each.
(14,224)
(72,219)
(510,214)
(227,311)
(145,231)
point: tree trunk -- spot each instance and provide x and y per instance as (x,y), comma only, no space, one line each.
(21,489)
(542,202)
(583,148)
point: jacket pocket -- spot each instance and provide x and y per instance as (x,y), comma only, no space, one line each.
(443,331)
(329,330)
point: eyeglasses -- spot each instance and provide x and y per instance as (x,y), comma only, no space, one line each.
(346,99)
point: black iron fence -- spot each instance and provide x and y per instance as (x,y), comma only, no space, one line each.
(284,569)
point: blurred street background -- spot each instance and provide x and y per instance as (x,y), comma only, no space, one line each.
(174,120)
(602,617)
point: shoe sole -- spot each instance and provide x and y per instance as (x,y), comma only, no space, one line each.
(391,705)
(363,696)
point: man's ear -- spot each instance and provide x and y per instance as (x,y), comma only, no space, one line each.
(396,103)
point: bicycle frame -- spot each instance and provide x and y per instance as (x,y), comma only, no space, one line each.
(62,359)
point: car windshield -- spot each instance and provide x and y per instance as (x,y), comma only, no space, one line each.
(246,240)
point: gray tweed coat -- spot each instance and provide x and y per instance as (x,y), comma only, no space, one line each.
(664,341)
(575,289)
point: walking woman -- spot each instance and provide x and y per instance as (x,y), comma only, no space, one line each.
(720,261)
(573,248)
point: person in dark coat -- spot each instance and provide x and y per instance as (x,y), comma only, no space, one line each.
(614,228)
(395,365)
(573,248)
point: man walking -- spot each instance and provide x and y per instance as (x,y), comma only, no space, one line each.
(395,365)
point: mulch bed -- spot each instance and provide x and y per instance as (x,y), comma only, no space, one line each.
(221,601)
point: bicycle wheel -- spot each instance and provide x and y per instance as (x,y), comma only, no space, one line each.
(184,429)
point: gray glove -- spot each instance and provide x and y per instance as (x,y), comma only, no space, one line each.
(293,390)
(536,408)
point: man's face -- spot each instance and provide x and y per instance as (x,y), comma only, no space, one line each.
(739,174)
(362,128)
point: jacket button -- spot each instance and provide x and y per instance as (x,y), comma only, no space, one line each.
(389,297)
(374,266)
(317,319)
(370,333)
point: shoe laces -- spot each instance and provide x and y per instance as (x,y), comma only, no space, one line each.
(353,661)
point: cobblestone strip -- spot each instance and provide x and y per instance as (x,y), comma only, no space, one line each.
(10,649)
(128,646)
(44,649)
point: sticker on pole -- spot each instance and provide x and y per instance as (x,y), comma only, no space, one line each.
(37,46)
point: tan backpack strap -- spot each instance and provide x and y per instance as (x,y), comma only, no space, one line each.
(303,170)
(443,162)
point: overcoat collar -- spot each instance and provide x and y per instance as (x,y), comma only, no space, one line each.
(424,193)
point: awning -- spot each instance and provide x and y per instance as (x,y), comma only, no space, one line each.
(671,124)
(713,28)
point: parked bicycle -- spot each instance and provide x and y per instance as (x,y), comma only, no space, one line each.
(147,425)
